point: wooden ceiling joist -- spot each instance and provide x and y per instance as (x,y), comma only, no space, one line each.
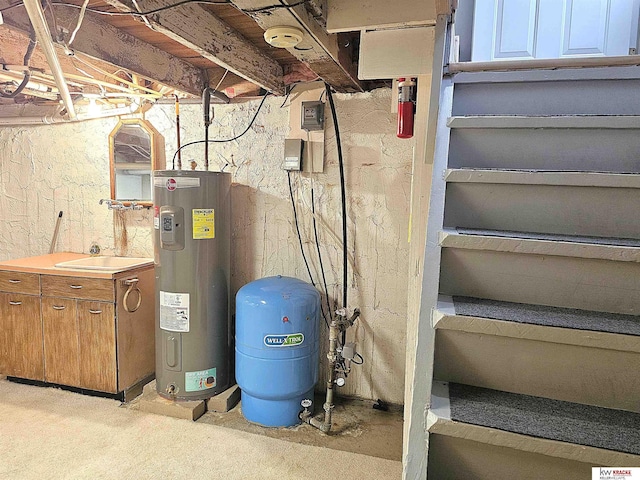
(322,52)
(197,28)
(103,42)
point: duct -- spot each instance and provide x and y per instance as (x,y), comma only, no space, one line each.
(36,15)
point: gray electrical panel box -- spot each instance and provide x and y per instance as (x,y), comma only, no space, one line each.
(312,116)
(293,154)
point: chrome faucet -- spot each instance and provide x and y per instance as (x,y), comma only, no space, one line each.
(118,205)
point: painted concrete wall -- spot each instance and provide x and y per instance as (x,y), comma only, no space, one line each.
(46,169)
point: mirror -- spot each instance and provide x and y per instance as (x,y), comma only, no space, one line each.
(135,150)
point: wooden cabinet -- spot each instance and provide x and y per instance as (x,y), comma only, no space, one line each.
(78,331)
(21,336)
(78,287)
(97,340)
(60,322)
(20,326)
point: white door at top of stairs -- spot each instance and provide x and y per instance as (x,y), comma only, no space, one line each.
(537,29)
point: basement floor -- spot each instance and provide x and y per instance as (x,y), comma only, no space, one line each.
(357,428)
(50,433)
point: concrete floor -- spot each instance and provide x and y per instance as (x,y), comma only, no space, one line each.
(357,428)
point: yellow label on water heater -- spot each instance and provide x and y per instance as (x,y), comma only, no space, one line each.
(203,223)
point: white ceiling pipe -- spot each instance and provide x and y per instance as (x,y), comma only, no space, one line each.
(30,84)
(51,119)
(36,15)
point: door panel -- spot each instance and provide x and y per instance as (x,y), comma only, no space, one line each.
(97,335)
(585,27)
(527,29)
(515,29)
(25,337)
(6,340)
(60,341)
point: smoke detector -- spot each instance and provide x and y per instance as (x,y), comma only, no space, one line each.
(283,37)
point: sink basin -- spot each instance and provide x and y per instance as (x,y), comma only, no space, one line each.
(104,263)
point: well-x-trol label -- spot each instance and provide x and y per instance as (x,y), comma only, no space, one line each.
(286,340)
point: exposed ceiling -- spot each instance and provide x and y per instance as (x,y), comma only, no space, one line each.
(179,48)
(146,49)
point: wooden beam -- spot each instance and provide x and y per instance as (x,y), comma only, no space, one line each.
(323,53)
(14,45)
(376,14)
(198,29)
(121,50)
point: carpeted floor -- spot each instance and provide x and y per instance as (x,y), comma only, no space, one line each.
(47,433)
(546,418)
(548,316)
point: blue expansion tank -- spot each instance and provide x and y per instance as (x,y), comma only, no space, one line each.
(277,342)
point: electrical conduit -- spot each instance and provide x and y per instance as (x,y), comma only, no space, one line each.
(36,15)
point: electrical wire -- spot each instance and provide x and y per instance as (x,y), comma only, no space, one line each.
(295,217)
(274,7)
(361,359)
(288,95)
(221,80)
(27,76)
(56,30)
(344,201)
(304,257)
(167,7)
(255,115)
(315,234)
(80,18)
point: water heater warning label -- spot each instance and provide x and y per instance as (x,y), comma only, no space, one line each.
(174,311)
(291,340)
(203,223)
(201,380)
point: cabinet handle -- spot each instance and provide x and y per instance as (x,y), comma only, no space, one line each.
(14,281)
(58,307)
(133,287)
(95,312)
(11,302)
(77,287)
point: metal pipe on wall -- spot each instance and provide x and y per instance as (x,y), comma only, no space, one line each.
(43,34)
(338,325)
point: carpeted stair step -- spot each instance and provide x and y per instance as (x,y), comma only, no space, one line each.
(614,249)
(573,91)
(545,121)
(566,354)
(541,177)
(560,206)
(566,318)
(485,434)
(564,274)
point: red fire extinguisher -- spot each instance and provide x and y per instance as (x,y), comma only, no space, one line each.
(406,106)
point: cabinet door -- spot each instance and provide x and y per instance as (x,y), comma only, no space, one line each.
(60,324)
(97,339)
(6,343)
(22,336)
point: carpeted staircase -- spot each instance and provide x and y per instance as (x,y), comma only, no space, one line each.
(537,344)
